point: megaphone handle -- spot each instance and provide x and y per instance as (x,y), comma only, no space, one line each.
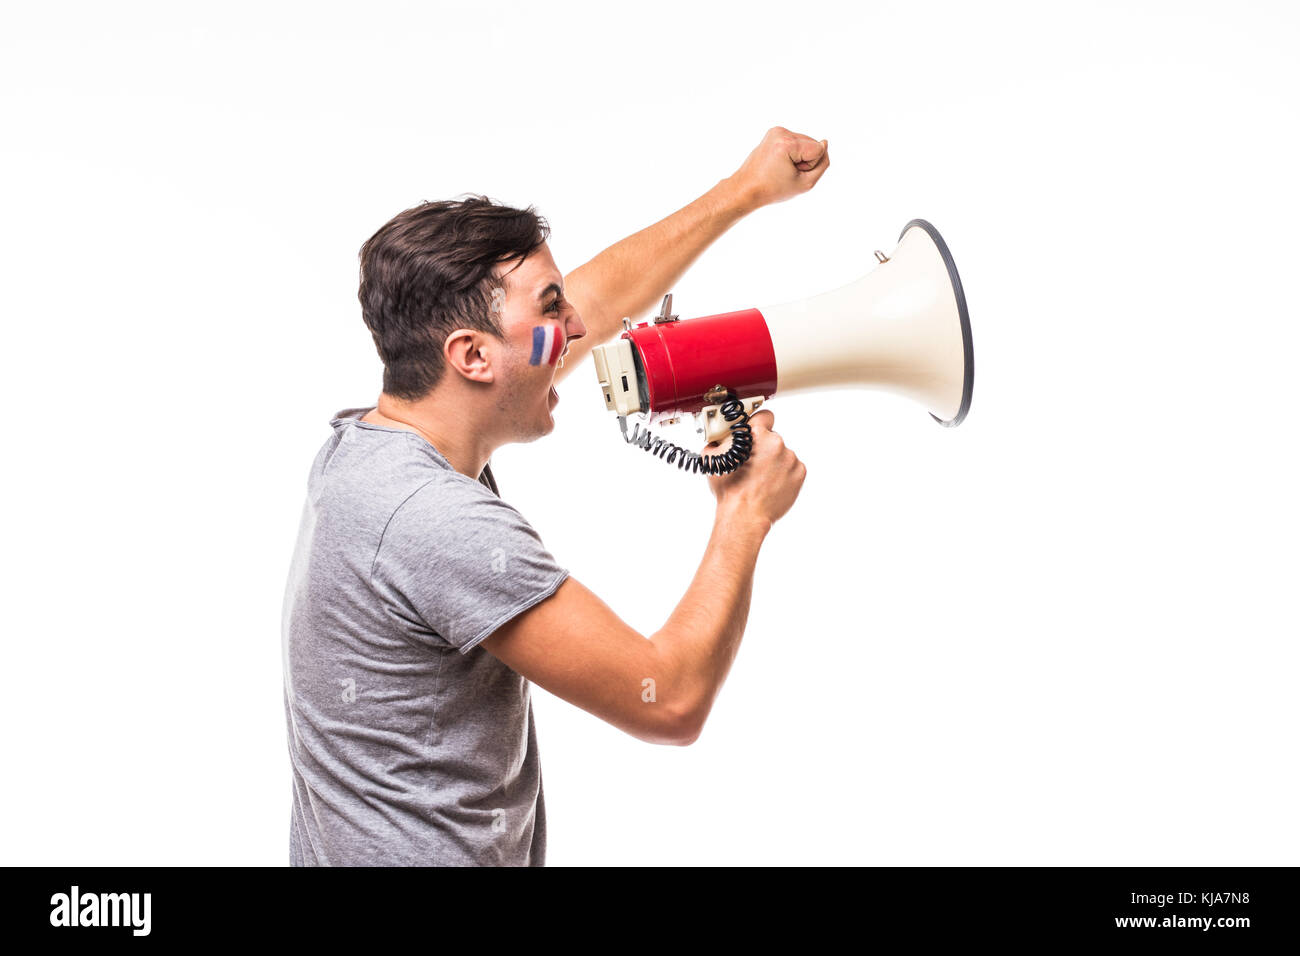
(716,426)
(742,444)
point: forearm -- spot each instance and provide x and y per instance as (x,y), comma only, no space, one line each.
(632,276)
(698,643)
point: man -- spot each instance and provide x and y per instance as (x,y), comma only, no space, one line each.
(420,605)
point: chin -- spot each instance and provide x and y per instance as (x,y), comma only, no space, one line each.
(544,427)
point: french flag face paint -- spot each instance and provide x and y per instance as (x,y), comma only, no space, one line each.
(548,343)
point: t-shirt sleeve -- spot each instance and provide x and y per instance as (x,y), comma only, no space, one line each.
(463,562)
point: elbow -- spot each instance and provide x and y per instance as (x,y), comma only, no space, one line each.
(689,726)
(676,726)
(688,736)
(675,706)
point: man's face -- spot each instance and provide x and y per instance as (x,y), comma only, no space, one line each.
(539,323)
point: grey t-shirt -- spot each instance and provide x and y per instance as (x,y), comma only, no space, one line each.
(409,743)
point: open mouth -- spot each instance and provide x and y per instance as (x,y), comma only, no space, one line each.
(559,363)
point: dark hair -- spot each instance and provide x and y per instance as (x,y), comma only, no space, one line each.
(429,271)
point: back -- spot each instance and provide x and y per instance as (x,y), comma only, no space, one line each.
(409,744)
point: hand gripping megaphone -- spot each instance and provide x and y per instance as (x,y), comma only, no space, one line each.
(901,327)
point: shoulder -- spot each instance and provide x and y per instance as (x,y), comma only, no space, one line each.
(451,509)
(463,558)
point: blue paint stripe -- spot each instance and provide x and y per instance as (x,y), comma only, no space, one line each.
(539,343)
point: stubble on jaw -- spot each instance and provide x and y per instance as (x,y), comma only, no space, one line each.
(513,399)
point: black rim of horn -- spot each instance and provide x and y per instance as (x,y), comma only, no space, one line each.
(968,350)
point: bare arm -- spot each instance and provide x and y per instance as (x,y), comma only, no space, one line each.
(658,689)
(633,275)
(661,689)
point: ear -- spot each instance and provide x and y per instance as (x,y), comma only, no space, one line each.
(471,353)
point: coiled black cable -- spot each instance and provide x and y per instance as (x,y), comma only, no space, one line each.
(742,444)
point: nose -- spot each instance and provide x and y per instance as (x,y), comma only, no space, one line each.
(574,328)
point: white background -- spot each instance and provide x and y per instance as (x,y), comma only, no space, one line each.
(1064,633)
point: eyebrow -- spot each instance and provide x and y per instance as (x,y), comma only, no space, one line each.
(553,287)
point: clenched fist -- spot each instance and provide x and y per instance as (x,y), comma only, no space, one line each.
(784,164)
(765,486)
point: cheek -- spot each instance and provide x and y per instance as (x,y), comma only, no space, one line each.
(548,343)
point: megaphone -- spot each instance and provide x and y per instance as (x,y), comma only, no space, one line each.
(902,327)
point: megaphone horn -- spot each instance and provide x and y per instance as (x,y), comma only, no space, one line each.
(903,327)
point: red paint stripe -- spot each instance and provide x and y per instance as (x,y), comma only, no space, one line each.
(556,346)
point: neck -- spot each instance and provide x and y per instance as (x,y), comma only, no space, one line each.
(443,424)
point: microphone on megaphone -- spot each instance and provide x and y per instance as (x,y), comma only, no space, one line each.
(902,327)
